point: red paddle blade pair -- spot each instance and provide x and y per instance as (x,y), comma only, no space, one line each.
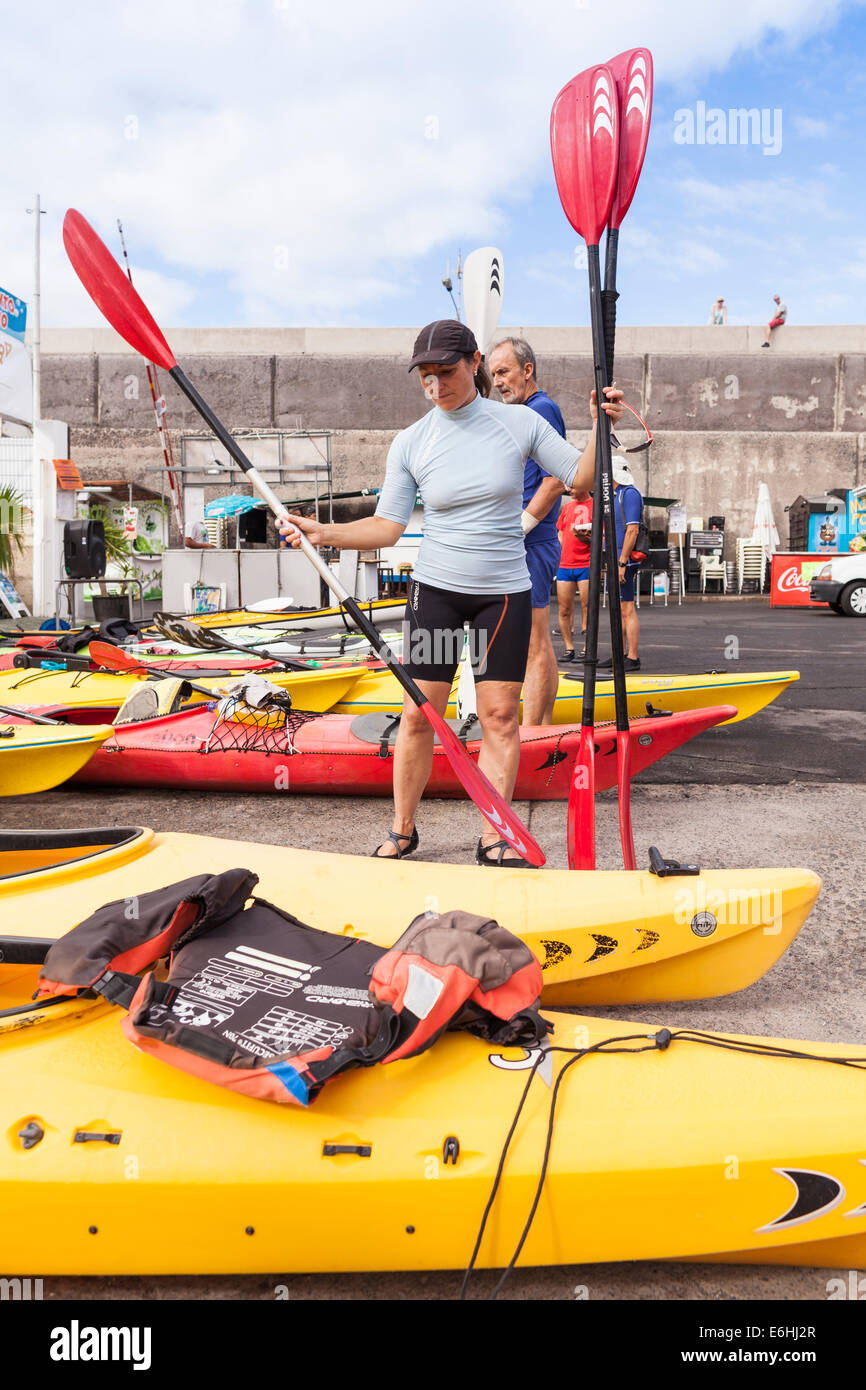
(599,128)
(580,821)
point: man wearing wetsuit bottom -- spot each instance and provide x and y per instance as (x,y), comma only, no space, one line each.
(512,367)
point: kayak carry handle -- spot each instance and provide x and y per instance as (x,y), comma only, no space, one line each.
(669,868)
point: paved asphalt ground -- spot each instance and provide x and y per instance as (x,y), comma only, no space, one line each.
(785,787)
(815,733)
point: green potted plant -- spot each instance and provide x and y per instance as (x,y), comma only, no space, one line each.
(11,527)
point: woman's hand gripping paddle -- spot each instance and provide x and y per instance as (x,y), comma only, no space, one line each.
(584,142)
(124,309)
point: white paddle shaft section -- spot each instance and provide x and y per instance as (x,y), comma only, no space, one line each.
(278,508)
(483,285)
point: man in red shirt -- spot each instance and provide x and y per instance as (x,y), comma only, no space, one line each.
(574,525)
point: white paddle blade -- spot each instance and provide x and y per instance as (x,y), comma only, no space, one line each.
(483,285)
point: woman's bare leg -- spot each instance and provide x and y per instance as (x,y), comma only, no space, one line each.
(499,713)
(413,759)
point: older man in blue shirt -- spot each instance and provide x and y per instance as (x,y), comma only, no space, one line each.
(512,367)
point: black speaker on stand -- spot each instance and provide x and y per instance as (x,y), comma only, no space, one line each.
(84,549)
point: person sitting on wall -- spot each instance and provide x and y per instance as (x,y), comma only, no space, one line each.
(778,319)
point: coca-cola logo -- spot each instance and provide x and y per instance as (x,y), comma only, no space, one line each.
(792,579)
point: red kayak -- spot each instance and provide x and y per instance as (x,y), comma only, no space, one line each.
(341,754)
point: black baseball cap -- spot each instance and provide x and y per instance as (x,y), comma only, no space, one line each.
(445,341)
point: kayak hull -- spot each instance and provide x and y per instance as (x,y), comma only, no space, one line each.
(749,693)
(645,1150)
(379,611)
(603,937)
(196,750)
(363,689)
(35,758)
(105,691)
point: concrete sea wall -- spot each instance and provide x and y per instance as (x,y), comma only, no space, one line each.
(725,413)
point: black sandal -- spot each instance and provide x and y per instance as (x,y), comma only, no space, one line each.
(568,654)
(395,840)
(482,856)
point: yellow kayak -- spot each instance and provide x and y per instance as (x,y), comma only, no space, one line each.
(114,1163)
(602,937)
(36,757)
(106,691)
(359,690)
(748,691)
(378,611)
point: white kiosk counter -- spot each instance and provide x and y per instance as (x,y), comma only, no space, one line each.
(248,575)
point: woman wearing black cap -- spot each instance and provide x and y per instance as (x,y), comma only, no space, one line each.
(466,458)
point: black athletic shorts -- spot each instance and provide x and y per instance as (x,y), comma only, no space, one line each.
(500,626)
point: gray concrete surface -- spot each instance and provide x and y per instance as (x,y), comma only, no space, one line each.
(785,788)
(797,339)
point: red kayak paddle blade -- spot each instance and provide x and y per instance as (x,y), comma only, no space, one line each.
(633,74)
(581,805)
(112,291)
(584,144)
(112,658)
(491,805)
(623,788)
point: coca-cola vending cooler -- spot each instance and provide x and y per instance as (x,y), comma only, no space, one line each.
(790,577)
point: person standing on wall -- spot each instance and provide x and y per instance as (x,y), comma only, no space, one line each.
(777,319)
(628,510)
(574,526)
(512,368)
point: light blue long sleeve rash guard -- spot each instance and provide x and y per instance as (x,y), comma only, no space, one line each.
(468,466)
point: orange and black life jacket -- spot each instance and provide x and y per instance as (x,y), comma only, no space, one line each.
(256,1001)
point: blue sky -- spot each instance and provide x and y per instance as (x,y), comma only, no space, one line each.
(285,162)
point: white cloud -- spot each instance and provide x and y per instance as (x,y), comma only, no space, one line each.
(811,128)
(292,161)
(761,199)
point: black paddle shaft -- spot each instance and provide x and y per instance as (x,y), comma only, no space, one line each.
(609,296)
(603,456)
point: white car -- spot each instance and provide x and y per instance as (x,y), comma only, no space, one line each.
(842,584)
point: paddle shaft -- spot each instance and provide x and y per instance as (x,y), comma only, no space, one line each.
(609,297)
(603,457)
(26,714)
(268,495)
(217,642)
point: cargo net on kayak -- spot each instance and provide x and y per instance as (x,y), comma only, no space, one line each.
(242,728)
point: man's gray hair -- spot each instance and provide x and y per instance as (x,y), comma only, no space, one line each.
(521,349)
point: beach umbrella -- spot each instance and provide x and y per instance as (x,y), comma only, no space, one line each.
(764,530)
